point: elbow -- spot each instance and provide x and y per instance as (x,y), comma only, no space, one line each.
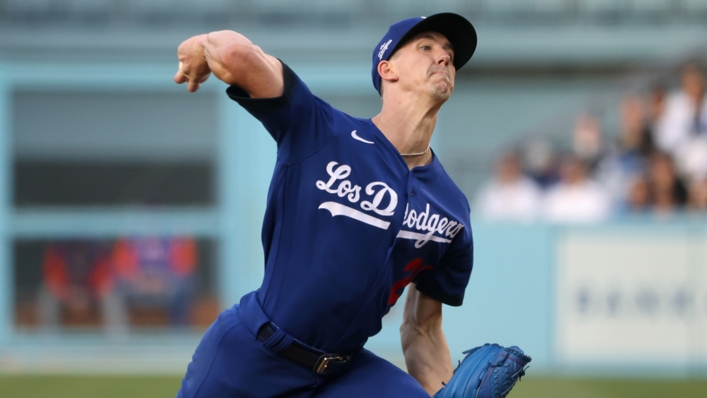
(412,331)
(408,335)
(406,329)
(421,324)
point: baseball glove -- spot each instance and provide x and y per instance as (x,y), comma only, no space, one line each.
(489,371)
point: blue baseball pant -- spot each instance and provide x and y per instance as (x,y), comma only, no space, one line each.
(231,362)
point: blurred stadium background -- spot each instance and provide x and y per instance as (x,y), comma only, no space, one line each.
(130,210)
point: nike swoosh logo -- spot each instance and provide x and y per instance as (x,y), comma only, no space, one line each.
(356,137)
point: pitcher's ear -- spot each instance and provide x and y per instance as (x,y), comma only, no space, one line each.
(387,71)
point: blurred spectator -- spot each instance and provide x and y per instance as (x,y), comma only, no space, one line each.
(576,198)
(655,108)
(691,159)
(661,149)
(634,130)
(157,273)
(78,285)
(697,196)
(588,142)
(639,198)
(509,196)
(685,113)
(633,146)
(540,162)
(669,193)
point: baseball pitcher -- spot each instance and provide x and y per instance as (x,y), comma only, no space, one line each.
(357,210)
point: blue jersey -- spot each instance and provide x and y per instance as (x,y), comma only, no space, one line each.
(348,225)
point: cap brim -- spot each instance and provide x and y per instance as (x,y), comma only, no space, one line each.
(457,29)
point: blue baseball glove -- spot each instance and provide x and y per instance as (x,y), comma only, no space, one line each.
(489,371)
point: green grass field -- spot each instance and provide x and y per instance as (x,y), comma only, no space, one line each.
(158,387)
(615,388)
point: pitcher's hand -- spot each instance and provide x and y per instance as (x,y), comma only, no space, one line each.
(193,67)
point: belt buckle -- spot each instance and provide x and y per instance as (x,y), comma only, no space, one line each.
(330,363)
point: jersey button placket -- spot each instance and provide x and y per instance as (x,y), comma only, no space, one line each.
(411,193)
(406,193)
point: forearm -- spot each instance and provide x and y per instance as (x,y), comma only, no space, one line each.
(233,59)
(230,56)
(424,345)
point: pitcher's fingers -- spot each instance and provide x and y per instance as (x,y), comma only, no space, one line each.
(193,86)
(179,77)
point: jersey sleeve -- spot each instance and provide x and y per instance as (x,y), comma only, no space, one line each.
(296,120)
(447,283)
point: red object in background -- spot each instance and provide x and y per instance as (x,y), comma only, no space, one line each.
(176,256)
(157,273)
(78,265)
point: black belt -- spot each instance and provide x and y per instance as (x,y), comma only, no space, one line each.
(319,362)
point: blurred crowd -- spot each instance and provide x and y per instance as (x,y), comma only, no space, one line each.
(655,163)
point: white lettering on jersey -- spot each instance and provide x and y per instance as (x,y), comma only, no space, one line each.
(420,238)
(380,192)
(430,224)
(344,188)
(338,209)
(421,227)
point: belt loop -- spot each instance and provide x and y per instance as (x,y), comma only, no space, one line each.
(279,340)
(252,313)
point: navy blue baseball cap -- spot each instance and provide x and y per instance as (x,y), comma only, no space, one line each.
(457,29)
